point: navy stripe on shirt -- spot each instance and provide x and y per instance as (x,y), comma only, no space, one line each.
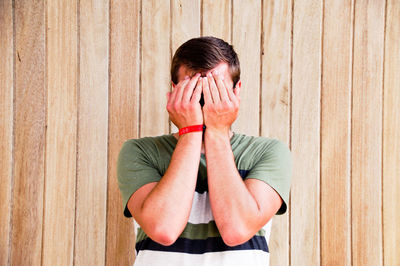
(200,246)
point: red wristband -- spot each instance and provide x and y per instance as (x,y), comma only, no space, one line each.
(188,129)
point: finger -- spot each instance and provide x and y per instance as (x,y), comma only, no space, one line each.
(206,91)
(197,91)
(171,94)
(237,91)
(213,88)
(179,89)
(232,95)
(188,91)
(221,87)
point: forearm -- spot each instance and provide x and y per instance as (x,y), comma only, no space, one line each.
(168,205)
(234,208)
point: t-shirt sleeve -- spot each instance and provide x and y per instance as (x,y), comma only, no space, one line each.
(274,167)
(135,168)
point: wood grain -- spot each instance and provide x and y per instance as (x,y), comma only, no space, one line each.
(247,41)
(275,102)
(336,133)
(123,121)
(6,125)
(77,80)
(29,133)
(185,25)
(391,137)
(185,21)
(90,240)
(367,133)
(217,19)
(59,212)
(156,60)
(305,139)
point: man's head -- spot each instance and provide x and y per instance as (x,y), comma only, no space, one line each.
(202,55)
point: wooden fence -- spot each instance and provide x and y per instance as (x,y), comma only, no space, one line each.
(79,77)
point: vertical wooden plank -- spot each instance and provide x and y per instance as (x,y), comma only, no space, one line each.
(275,102)
(246,40)
(30,119)
(156,60)
(305,146)
(6,125)
(59,213)
(217,19)
(391,137)
(335,133)
(92,134)
(185,25)
(123,121)
(185,21)
(367,133)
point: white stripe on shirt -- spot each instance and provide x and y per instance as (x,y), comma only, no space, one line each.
(225,258)
(201,210)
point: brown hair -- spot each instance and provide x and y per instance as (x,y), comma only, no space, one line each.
(204,53)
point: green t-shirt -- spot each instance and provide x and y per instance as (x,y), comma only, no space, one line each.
(145,160)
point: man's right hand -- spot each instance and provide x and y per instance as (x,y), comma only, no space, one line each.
(154,205)
(183,102)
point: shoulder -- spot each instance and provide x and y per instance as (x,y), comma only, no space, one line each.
(261,144)
(146,140)
(146,143)
(150,149)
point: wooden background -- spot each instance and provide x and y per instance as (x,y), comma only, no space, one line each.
(80,77)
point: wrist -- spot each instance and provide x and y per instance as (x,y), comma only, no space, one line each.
(191,129)
(194,138)
(217,131)
(217,134)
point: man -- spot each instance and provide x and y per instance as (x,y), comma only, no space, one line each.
(204,196)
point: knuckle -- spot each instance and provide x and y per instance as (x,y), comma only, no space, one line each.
(219,108)
(184,105)
(169,107)
(176,106)
(227,105)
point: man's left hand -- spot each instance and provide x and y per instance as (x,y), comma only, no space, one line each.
(221,104)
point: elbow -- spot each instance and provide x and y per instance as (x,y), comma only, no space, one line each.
(163,231)
(164,236)
(164,239)
(234,236)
